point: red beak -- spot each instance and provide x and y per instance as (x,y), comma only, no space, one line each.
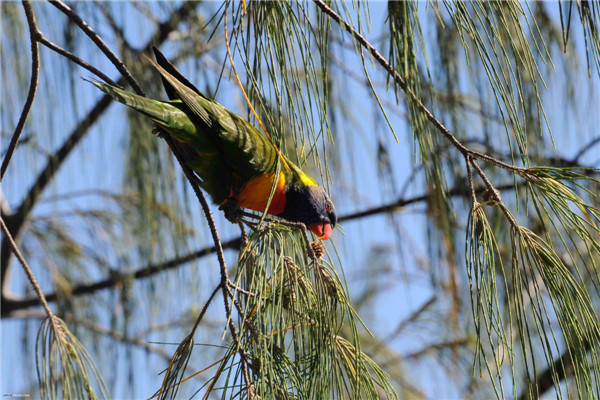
(323,230)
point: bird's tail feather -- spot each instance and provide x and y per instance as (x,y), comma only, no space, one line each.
(162,61)
(163,113)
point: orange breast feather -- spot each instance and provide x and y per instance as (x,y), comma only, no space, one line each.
(256,192)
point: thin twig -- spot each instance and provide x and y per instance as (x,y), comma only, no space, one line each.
(438,347)
(585,148)
(43,40)
(468,161)
(240,349)
(217,242)
(201,315)
(28,272)
(239,289)
(16,220)
(113,24)
(496,195)
(10,306)
(120,337)
(34,35)
(411,94)
(234,333)
(100,43)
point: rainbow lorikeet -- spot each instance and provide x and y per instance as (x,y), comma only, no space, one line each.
(234,161)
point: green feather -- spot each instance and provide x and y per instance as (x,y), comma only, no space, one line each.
(199,151)
(248,152)
(224,149)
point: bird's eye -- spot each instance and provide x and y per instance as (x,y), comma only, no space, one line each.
(328,206)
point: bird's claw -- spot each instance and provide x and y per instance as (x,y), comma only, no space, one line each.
(232,210)
(158,132)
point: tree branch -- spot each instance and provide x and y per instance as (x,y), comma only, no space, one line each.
(402,202)
(36,287)
(100,43)
(10,306)
(34,35)
(411,94)
(15,222)
(76,60)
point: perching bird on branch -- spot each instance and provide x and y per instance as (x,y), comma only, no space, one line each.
(236,164)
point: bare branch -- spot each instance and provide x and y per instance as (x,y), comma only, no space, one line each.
(585,148)
(468,161)
(414,316)
(76,60)
(16,221)
(436,347)
(119,337)
(34,35)
(100,43)
(409,92)
(204,308)
(9,306)
(28,272)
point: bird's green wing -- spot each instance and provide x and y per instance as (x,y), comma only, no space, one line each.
(199,151)
(244,148)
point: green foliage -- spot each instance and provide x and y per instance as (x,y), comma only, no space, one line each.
(505,41)
(549,297)
(293,312)
(283,57)
(64,367)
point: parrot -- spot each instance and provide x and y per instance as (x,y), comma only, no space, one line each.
(236,165)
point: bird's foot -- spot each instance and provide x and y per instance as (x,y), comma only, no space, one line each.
(232,210)
(158,132)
